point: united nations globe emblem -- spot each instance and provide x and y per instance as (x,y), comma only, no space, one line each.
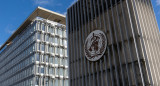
(95,45)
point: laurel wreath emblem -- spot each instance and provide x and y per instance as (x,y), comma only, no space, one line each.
(95,45)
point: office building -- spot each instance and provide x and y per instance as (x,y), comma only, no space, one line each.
(113,43)
(36,53)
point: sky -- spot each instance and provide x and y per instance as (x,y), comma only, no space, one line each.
(14,12)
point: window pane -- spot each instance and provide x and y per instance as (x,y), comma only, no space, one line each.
(42,81)
(65,52)
(47,38)
(61,42)
(46,58)
(37,57)
(66,62)
(39,46)
(65,43)
(50,82)
(46,82)
(39,36)
(39,26)
(39,69)
(43,27)
(53,50)
(64,33)
(60,32)
(61,52)
(50,70)
(42,47)
(46,69)
(56,82)
(42,58)
(51,59)
(50,29)
(43,37)
(56,50)
(66,83)
(56,31)
(56,60)
(42,69)
(60,61)
(50,49)
(61,72)
(56,40)
(46,48)
(37,80)
(56,71)
(60,82)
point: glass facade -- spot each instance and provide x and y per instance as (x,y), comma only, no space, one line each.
(36,57)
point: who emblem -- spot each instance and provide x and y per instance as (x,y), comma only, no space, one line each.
(95,45)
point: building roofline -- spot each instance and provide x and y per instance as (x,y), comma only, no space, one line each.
(38,12)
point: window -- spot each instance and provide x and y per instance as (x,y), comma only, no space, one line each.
(50,70)
(50,49)
(47,48)
(42,47)
(42,69)
(50,29)
(66,62)
(65,52)
(61,71)
(43,37)
(39,36)
(56,50)
(38,46)
(65,82)
(56,71)
(56,31)
(56,82)
(60,61)
(46,69)
(32,69)
(47,37)
(37,57)
(64,34)
(46,81)
(61,82)
(51,39)
(60,40)
(51,82)
(43,27)
(56,40)
(66,72)
(64,42)
(39,69)
(32,59)
(46,57)
(42,58)
(51,59)
(56,60)
(38,26)
(37,80)
(33,48)
(61,51)
(31,82)
(42,81)
(53,50)
(60,32)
